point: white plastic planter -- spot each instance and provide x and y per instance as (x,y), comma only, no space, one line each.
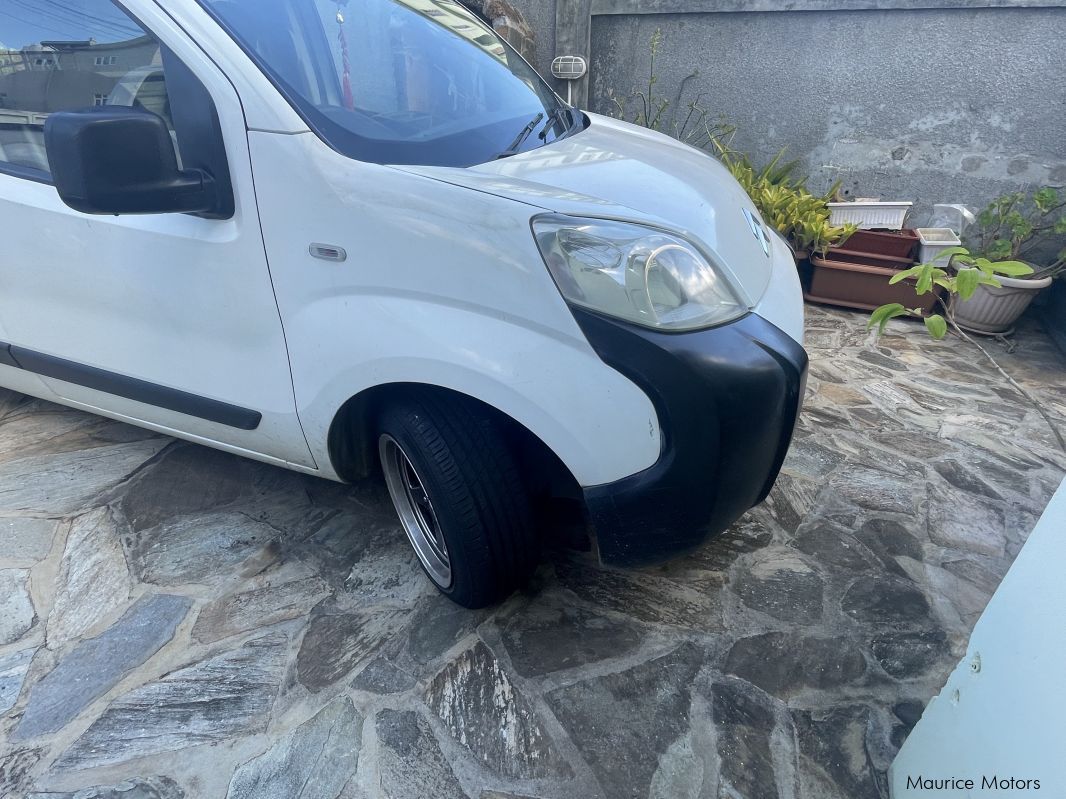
(993,310)
(870,214)
(934,240)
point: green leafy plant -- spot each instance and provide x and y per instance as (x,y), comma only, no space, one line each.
(964,274)
(961,277)
(692,123)
(1018,226)
(775,173)
(784,201)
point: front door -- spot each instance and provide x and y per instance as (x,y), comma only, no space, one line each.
(167,319)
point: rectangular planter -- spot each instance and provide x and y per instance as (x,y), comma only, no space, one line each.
(896,244)
(859,257)
(870,214)
(861,286)
(934,240)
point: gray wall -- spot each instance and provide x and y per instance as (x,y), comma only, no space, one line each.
(941,104)
(540,14)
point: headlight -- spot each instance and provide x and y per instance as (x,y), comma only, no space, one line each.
(635,273)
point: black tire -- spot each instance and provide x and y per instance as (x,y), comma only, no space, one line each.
(479,501)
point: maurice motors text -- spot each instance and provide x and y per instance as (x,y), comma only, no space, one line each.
(968,784)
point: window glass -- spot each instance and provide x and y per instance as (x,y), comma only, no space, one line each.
(399,81)
(61,55)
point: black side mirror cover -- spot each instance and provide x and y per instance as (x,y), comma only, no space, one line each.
(121,160)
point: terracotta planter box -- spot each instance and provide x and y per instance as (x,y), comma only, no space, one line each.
(861,286)
(895,245)
(858,257)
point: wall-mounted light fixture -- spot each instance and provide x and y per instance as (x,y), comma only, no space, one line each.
(569,68)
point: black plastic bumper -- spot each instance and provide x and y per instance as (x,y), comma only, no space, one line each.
(727,400)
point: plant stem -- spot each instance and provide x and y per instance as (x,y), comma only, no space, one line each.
(1033,400)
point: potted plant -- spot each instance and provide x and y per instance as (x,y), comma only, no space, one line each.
(865,286)
(785,203)
(801,217)
(855,272)
(959,274)
(837,273)
(1014,227)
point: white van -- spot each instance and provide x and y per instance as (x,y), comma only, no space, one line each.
(343,237)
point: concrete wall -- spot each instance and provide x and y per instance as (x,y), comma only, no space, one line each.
(540,15)
(952,102)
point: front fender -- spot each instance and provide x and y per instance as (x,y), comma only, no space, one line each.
(599,424)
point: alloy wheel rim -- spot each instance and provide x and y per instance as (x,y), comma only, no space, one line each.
(415,508)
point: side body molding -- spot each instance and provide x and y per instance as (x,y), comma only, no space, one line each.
(131,388)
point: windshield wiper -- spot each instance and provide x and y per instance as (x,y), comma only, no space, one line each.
(521,137)
(555,116)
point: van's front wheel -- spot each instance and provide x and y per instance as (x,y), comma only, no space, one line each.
(459,495)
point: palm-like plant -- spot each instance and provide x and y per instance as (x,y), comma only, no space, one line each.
(784,201)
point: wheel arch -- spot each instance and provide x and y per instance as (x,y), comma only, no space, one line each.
(352,446)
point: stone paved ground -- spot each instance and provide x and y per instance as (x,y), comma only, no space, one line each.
(175,622)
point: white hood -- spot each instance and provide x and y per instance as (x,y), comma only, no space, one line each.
(621,171)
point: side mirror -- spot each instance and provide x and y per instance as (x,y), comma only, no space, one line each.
(121,160)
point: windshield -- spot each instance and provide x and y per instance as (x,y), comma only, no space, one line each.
(399,81)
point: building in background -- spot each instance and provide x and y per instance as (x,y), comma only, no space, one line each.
(128,72)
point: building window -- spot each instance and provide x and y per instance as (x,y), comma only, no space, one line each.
(86,68)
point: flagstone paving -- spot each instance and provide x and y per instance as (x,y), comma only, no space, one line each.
(177,623)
